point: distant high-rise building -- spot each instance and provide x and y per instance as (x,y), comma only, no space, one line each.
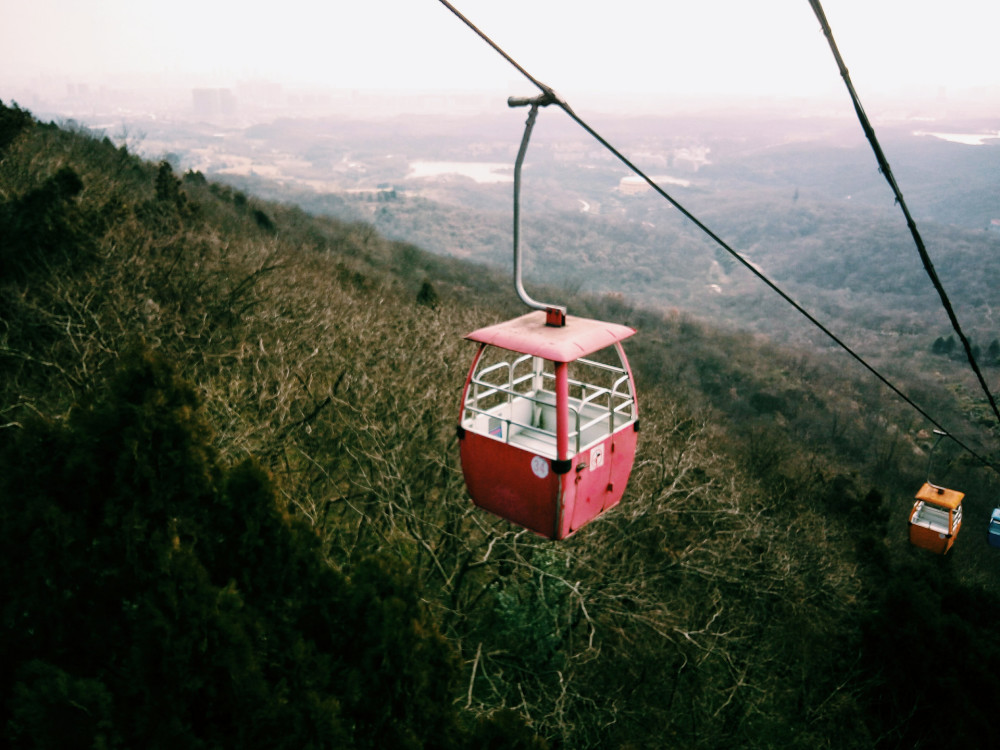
(213,102)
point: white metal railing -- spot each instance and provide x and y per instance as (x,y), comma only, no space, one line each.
(935,519)
(613,405)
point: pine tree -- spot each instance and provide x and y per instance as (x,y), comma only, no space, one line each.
(153,598)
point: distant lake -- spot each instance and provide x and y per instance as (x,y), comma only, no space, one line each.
(480,171)
(969,139)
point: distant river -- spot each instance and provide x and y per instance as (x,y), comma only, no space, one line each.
(480,171)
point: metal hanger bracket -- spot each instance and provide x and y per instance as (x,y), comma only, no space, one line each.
(555,315)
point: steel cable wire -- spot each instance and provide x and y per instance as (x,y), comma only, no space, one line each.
(555,99)
(886,171)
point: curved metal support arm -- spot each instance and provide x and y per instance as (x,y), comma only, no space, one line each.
(555,314)
(930,456)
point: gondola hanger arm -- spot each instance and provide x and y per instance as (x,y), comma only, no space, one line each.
(555,315)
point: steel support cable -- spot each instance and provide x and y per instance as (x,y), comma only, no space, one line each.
(883,164)
(555,99)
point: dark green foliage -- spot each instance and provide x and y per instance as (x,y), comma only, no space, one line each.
(427,295)
(263,220)
(13,120)
(167,186)
(46,227)
(170,198)
(505,730)
(931,643)
(194,177)
(154,599)
(52,709)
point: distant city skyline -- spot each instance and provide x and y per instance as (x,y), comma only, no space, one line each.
(716,48)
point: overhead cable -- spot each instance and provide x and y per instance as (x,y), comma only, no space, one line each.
(555,99)
(883,164)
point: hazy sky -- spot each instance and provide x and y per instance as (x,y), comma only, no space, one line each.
(732,47)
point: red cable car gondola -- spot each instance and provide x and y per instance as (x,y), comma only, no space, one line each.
(548,424)
(547,431)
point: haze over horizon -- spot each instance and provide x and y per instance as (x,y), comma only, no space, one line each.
(715,50)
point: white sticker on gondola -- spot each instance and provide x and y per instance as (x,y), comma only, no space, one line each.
(597,457)
(540,467)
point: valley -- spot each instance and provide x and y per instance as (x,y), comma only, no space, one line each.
(796,194)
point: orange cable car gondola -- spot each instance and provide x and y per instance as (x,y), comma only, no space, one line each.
(936,516)
(549,418)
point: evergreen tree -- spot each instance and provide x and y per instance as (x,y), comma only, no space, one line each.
(427,295)
(155,599)
(13,120)
(46,226)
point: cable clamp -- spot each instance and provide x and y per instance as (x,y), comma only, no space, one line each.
(547,97)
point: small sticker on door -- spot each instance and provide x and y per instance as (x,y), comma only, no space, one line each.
(596,457)
(540,467)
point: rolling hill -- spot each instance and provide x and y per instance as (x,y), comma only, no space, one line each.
(234,516)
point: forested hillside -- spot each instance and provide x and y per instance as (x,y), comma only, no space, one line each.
(232,512)
(798,195)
